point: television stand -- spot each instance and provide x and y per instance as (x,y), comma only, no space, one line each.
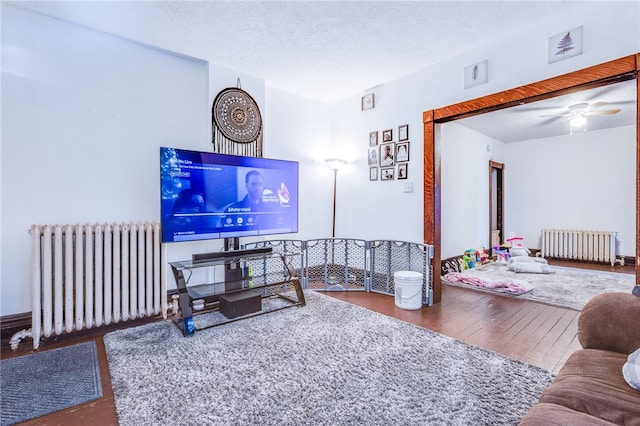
(247,274)
(204,257)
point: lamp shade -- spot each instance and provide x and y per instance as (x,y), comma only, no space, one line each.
(335,163)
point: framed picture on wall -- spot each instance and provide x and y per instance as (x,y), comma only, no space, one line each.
(387,154)
(387,173)
(402,171)
(475,74)
(403,132)
(373,156)
(387,135)
(565,45)
(373,138)
(402,152)
(367,102)
(373,173)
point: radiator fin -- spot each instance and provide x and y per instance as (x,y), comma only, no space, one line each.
(86,276)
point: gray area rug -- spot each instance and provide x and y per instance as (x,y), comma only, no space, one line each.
(328,363)
(44,382)
(564,287)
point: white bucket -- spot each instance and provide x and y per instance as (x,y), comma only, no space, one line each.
(408,289)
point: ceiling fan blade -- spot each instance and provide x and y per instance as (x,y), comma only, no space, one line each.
(562,114)
(596,105)
(603,112)
(578,107)
(548,120)
(630,102)
(604,91)
(553,119)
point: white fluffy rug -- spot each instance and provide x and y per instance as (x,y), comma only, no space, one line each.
(328,363)
(565,287)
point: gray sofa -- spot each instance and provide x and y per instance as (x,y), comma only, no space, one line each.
(590,388)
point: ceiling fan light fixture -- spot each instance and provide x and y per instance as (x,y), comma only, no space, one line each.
(578,121)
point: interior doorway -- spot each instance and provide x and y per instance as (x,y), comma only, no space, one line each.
(618,70)
(496,203)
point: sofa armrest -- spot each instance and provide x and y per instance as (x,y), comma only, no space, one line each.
(611,321)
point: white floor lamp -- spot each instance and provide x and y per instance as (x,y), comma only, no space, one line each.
(335,165)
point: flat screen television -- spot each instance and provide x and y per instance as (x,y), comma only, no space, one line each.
(206,195)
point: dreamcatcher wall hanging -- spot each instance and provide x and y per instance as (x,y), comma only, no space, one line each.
(236,123)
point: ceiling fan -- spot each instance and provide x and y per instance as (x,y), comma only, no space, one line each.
(585,109)
(577,114)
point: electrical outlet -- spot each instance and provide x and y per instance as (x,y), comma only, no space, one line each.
(407,186)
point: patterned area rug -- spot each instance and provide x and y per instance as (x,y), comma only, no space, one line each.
(44,382)
(564,287)
(327,363)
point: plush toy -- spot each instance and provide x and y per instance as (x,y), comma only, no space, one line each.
(516,246)
(465,262)
(482,255)
(529,267)
(471,257)
(519,251)
(515,241)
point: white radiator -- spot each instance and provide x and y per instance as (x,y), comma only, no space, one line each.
(86,276)
(593,246)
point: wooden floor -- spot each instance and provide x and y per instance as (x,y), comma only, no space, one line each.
(532,332)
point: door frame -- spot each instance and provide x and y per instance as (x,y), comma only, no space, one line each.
(499,199)
(621,69)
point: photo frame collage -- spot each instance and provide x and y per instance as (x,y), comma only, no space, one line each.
(388,159)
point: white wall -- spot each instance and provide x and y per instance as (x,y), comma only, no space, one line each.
(580,181)
(380,209)
(219,78)
(587,183)
(83,115)
(465,187)
(300,130)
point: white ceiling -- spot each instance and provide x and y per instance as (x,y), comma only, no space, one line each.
(531,121)
(322,50)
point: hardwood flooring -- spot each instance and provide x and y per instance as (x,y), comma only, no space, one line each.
(535,333)
(539,334)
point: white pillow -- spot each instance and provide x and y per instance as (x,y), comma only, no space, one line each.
(527,259)
(519,251)
(532,268)
(631,370)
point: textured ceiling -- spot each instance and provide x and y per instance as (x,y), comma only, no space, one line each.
(545,118)
(332,50)
(323,50)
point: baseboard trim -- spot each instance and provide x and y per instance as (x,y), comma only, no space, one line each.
(19,324)
(628,260)
(11,324)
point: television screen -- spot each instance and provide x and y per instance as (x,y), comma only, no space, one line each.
(206,195)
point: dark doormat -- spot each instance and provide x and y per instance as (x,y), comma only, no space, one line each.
(44,382)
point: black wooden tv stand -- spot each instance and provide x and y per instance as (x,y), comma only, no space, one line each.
(247,273)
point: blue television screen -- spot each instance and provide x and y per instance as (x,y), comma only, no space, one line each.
(207,196)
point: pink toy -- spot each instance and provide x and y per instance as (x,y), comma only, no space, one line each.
(502,255)
(515,241)
(482,255)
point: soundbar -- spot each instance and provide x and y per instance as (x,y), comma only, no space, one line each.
(202,257)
